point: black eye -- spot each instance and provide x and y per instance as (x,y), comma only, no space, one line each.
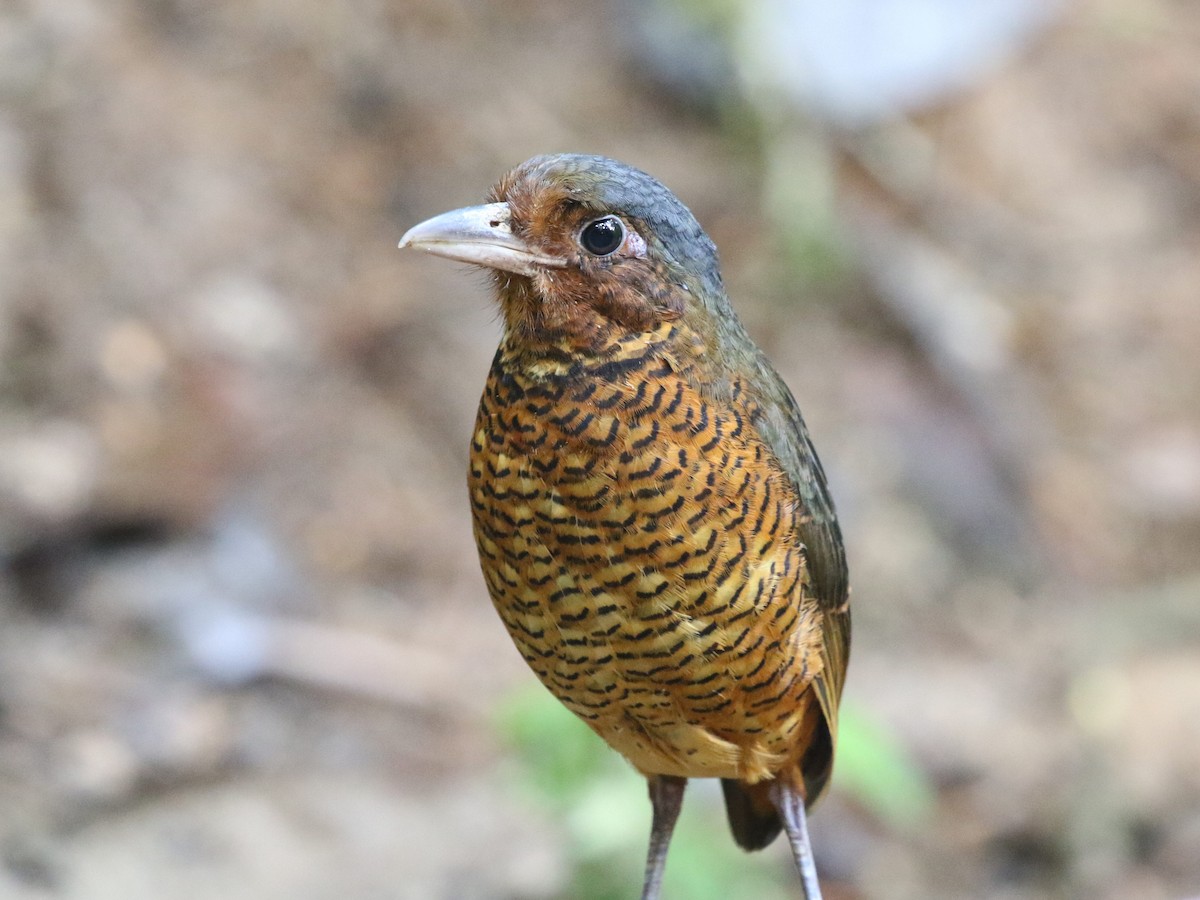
(603,236)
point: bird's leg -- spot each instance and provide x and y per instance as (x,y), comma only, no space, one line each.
(666,796)
(790,803)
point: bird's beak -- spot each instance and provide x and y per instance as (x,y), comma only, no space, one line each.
(482,236)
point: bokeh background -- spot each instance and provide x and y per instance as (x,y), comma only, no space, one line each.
(245,651)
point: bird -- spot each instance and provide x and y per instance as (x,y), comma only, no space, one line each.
(653,524)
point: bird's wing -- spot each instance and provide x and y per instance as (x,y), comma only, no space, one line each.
(782,428)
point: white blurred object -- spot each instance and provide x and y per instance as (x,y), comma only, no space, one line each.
(860,61)
(48,470)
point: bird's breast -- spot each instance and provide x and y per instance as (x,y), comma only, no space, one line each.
(640,544)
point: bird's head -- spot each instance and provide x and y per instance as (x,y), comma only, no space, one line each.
(580,246)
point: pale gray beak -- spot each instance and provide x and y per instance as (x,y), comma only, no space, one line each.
(482,236)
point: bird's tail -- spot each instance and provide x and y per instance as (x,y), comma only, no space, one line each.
(752,816)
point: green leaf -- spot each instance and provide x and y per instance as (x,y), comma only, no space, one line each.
(876,768)
(559,755)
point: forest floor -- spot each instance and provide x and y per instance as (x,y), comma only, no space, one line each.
(245,650)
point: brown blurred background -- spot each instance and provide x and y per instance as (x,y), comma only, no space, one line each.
(245,651)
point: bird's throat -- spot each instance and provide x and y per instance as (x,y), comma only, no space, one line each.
(563,309)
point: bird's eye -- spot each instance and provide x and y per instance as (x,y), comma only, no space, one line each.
(603,236)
